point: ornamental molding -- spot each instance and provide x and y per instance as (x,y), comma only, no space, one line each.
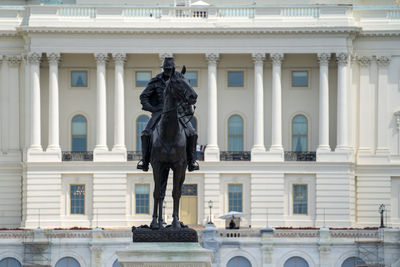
(119,58)
(101,58)
(212,58)
(364,61)
(13,61)
(258,58)
(277,59)
(34,58)
(323,59)
(383,61)
(54,58)
(342,59)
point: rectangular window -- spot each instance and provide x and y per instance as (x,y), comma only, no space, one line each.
(142,198)
(235,78)
(77,199)
(299,78)
(142,78)
(192,77)
(235,195)
(300,197)
(79,78)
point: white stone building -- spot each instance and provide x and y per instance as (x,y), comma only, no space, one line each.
(299,106)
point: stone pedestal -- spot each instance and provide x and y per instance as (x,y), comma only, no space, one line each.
(166,254)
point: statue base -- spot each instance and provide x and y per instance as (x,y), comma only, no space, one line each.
(167,234)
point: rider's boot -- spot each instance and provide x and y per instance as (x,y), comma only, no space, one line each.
(191,153)
(143,164)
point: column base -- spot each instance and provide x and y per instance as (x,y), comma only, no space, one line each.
(382,155)
(365,156)
(211,154)
(115,155)
(38,155)
(258,153)
(341,154)
(275,154)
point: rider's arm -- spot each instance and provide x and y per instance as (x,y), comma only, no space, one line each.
(145,98)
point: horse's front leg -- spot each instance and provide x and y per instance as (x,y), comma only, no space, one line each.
(179,178)
(156,197)
(163,186)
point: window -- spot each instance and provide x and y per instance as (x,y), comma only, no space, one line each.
(141,123)
(299,78)
(68,262)
(79,134)
(299,133)
(296,262)
(116,264)
(235,79)
(79,78)
(235,133)
(142,78)
(238,261)
(235,195)
(352,262)
(142,198)
(300,196)
(193,121)
(10,262)
(192,77)
(77,196)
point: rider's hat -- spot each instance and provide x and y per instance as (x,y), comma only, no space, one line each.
(169,63)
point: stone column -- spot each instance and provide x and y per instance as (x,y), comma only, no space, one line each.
(101,120)
(323,60)
(382,146)
(54,135)
(212,149)
(276,143)
(34,61)
(13,100)
(342,103)
(366,116)
(27,103)
(4,104)
(258,146)
(119,102)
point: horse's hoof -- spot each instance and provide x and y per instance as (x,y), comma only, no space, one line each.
(154,225)
(176,224)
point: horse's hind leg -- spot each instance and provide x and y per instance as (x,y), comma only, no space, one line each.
(163,186)
(156,196)
(179,178)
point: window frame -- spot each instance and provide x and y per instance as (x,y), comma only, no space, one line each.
(307,197)
(136,80)
(197,78)
(70,201)
(148,184)
(235,135)
(235,86)
(300,86)
(242,186)
(307,135)
(87,78)
(87,130)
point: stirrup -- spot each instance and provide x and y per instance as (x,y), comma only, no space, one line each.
(142,165)
(193,166)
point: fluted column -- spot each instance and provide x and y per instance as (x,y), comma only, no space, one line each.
(54,134)
(382,146)
(27,103)
(323,60)
(276,142)
(258,103)
(4,104)
(365,117)
(101,120)
(119,102)
(34,61)
(212,149)
(342,103)
(13,100)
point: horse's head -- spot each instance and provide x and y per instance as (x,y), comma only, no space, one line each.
(181,89)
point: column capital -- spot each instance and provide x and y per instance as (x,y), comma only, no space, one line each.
(53,58)
(258,58)
(101,58)
(162,56)
(119,58)
(212,58)
(323,58)
(342,58)
(14,61)
(383,61)
(277,59)
(34,58)
(364,61)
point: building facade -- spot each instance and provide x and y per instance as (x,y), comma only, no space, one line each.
(298,111)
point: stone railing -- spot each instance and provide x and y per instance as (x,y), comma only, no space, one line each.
(237,233)
(77,156)
(300,156)
(235,156)
(296,233)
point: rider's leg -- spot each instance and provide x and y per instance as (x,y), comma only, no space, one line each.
(143,164)
(191,144)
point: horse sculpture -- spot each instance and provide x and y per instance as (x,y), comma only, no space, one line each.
(168,149)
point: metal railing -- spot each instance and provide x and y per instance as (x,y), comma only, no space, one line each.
(235,156)
(134,155)
(300,156)
(77,156)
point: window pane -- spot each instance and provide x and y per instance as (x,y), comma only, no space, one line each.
(142,78)
(235,78)
(141,123)
(352,262)
(10,262)
(68,262)
(79,144)
(79,125)
(142,198)
(192,77)
(79,78)
(238,261)
(300,199)
(189,190)
(77,199)
(299,125)
(300,78)
(235,143)
(296,262)
(116,264)
(299,144)
(235,133)
(299,134)
(235,197)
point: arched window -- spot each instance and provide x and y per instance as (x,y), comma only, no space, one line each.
(235,133)
(68,262)
(296,262)
(10,262)
(116,264)
(193,121)
(79,134)
(238,261)
(299,133)
(141,123)
(352,262)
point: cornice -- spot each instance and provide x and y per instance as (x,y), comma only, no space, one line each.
(379,33)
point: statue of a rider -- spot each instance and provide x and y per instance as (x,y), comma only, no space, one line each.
(152,99)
